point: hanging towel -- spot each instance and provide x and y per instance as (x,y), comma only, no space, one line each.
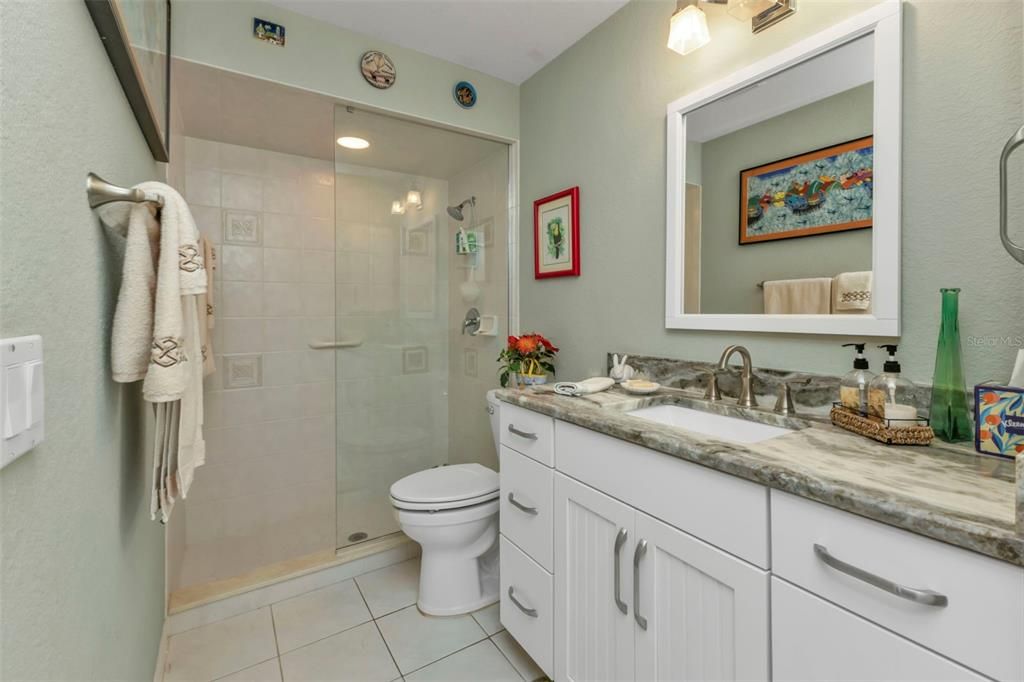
(811,296)
(133,318)
(851,292)
(206,308)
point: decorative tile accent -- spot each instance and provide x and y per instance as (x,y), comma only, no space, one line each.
(469,362)
(242,227)
(243,371)
(415,360)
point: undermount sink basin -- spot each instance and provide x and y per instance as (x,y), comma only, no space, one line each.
(714,425)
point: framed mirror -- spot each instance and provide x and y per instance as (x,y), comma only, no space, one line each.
(783,197)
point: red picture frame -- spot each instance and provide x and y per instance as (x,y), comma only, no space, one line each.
(556,245)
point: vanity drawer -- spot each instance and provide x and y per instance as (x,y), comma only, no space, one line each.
(722,510)
(531,620)
(530,433)
(527,494)
(981,626)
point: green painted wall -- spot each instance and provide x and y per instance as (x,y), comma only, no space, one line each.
(81,573)
(324,58)
(729,271)
(595,117)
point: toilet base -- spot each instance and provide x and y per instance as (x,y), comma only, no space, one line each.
(451,586)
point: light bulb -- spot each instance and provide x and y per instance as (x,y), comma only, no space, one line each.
(353,142)
(414,198)
(688,30)
(397,208)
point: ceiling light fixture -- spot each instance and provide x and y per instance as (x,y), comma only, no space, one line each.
(397,208)
(414,198)
(688,28)
(353,142)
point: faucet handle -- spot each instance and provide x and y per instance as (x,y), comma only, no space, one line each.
(712,393)
(784,404)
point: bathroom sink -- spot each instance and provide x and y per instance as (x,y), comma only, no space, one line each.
(714,425)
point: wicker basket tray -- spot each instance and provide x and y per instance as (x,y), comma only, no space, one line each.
(878,429)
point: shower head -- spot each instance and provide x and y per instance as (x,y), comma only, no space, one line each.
(456,211)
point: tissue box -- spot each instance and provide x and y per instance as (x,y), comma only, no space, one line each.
(999,420)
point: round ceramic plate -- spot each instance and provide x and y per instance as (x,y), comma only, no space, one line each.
(640,387)
(464,94)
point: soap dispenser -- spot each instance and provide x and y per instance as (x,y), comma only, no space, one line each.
(890,395)
(853,388)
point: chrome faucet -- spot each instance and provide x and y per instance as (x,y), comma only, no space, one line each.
(746,397)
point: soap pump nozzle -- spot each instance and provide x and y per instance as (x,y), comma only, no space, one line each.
(860,362)
(891,365)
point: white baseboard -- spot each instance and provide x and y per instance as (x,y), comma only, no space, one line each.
(161,654)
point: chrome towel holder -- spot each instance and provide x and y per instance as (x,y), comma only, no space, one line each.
(101,192)
(1015,250)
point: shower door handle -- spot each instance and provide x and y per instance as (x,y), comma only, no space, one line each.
(328,345)
(1015,250)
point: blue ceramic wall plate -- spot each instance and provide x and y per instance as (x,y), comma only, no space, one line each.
(464,94)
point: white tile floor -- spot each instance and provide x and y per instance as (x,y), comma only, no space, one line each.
(362,629)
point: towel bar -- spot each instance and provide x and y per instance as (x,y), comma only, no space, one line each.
(101,192)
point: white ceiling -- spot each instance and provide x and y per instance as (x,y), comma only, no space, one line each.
(509,39)
(236,109)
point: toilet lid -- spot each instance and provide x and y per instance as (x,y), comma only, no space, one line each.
(443,486)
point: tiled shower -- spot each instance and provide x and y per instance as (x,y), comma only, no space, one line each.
(340,363)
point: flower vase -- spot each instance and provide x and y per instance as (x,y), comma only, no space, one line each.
(949,416)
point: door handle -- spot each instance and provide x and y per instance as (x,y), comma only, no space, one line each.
(522,434)
(638,554)
(620,540)
(532,613)
(926,597)
(532,511)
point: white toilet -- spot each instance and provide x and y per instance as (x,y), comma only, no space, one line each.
(452,512)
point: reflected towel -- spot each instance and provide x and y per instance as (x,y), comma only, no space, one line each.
(812,296)
(851,292)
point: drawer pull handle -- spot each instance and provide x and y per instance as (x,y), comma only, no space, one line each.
(620,540)
(919,596)
(532,511)
(532,613)
(522,434)
(641,549)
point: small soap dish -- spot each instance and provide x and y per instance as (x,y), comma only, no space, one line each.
(888,431)
(640,386)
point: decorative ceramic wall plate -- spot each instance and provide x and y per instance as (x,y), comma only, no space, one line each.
(378,69)
(464,94)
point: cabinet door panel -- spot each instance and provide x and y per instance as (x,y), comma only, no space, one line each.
(706,610)
(593,637)
(814,640)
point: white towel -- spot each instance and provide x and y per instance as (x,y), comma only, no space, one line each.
(851,292)
(811,296)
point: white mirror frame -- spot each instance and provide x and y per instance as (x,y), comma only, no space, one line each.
(884,21)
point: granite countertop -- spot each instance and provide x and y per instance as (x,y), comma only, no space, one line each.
(944,492)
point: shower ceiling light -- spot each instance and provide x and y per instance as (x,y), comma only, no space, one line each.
(688,29)
(353,142)
(414,198)
(397,208)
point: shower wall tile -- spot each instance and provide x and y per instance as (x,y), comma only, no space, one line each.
(267,490)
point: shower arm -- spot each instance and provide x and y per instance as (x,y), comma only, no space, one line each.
(1014,249)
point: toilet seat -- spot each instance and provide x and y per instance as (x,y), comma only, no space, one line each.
(450,487)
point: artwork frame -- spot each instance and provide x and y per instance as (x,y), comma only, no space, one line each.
(145,74)
(811,197)
(551,261)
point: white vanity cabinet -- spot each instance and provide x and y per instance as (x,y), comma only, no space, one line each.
(636,598)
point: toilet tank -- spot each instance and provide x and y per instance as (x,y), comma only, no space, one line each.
(494,412)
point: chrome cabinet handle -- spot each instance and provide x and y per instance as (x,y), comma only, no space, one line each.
(532,511)
(641,549)
(919,596)
(326,345)
(620,540)
(521,434)
(532,613)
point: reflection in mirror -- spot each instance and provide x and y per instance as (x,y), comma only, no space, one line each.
(779,192)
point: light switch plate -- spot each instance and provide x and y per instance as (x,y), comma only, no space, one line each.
(21,396)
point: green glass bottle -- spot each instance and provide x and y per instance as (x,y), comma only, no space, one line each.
(949,416)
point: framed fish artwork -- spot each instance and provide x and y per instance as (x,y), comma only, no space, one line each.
(819,192)
(556,235)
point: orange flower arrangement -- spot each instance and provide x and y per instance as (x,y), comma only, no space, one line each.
(529,355)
